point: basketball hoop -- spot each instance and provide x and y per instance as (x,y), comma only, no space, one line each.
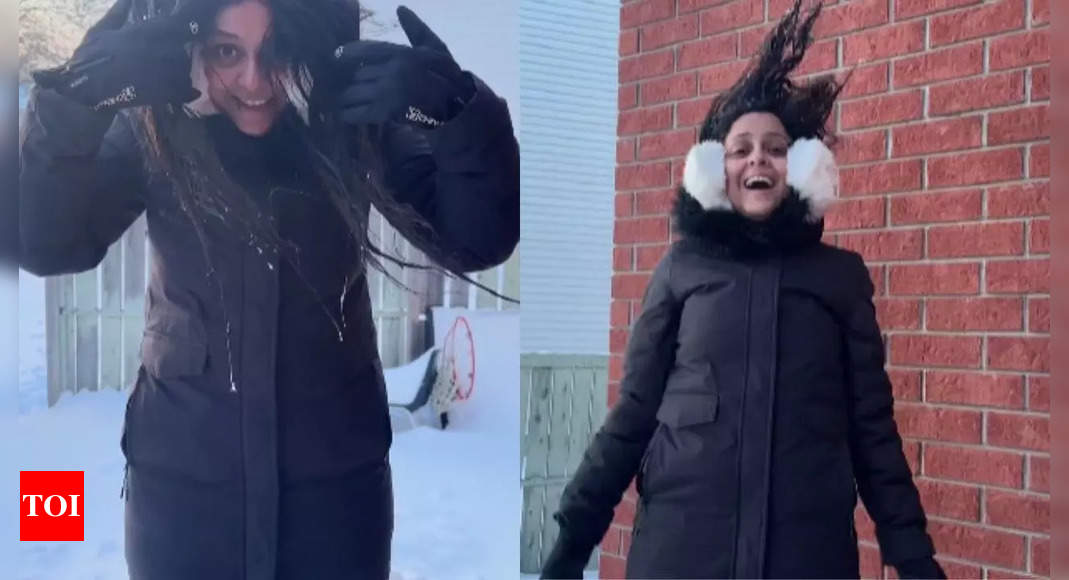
(456,367)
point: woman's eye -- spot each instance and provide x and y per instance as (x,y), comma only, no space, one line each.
(224,55)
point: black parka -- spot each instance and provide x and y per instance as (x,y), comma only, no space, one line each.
(257,441)
(753,409)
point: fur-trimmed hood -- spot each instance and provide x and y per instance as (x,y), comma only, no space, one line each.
(787,230)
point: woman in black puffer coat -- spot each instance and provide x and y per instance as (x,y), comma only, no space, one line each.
(255,136)
(754,406)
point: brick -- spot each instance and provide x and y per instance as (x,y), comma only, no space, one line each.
(1039,473)
(1039,161)
(820,58)
(625,544)
(663,34)
(940,65)
(1041,83)
(612,394)
(876,274)
(610,543)
(996,90)
(866,212)
(898,314)
(644,120)
(996,574)
(905,384)
(1039,393)
(1020,431)
(885,177)
(629,286)
(636,13)
(718,78)
(978,544)
(672,88)
(778,8)
(656,202)
(912,451)
(882,110)
(617,343)
(1018,276)
(625,150)
(985,239)
(691,113)
(974,465)
(1019,200)
(638,230)
(1018,353)
(937,136)
(960,571)
(987,20)
(934,279)
(1039,237)
(628,42)
(643,176)
(1040,11)
(624,204)
(975,168)
(622,259)
(943,206)
(1041,556)
(866,529)
(961,502)
(732,15)
(870,565)
(661,145)
(867,80)
(850,17)
(886,245)
(974,314)
(911,8)
(1019,50)
(707,51)
(751,39)
(611,567)
(920,421)
(627,97)
(620,314)
(1017,510)
(965,388)
(884,42)
(694,5)
(624,514)
(644,66)
(935,351)
(861,147)
(647,257)
(1028,124)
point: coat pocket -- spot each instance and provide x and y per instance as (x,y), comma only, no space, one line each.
(168,357)
(686,409)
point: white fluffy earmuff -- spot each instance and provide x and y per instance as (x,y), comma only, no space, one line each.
(811,171)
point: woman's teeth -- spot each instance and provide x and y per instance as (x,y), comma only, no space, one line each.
(254,104)
(758,182)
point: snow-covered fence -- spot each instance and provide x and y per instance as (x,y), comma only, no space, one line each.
(94,320)
(562,404)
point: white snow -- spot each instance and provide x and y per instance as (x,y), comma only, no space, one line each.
(457,492)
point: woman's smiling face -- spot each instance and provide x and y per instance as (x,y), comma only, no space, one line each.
(755,161)
(242,74)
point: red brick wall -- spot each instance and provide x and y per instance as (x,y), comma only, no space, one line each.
(946,165)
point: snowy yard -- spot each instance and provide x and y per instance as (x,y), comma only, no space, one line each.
(457,492)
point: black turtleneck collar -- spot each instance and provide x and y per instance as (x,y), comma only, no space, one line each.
(729,233)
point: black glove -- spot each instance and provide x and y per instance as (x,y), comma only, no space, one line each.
(566,560)
(421,84)
(117,66)
(920,569)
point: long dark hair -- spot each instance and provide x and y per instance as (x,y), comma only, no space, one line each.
(347,161)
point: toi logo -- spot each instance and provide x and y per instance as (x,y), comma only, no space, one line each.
(51,505)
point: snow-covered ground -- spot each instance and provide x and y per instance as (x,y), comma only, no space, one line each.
(457,493)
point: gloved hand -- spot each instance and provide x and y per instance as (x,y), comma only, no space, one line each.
(920,569)
(419,84)
(117,66)
(565,561)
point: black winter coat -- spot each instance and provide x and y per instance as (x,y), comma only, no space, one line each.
(753,409)
(285,474)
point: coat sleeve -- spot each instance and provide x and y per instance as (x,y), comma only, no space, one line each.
(613,457)
(463,178)
(80,185)
(883,476)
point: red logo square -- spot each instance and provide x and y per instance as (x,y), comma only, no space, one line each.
(52,506)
